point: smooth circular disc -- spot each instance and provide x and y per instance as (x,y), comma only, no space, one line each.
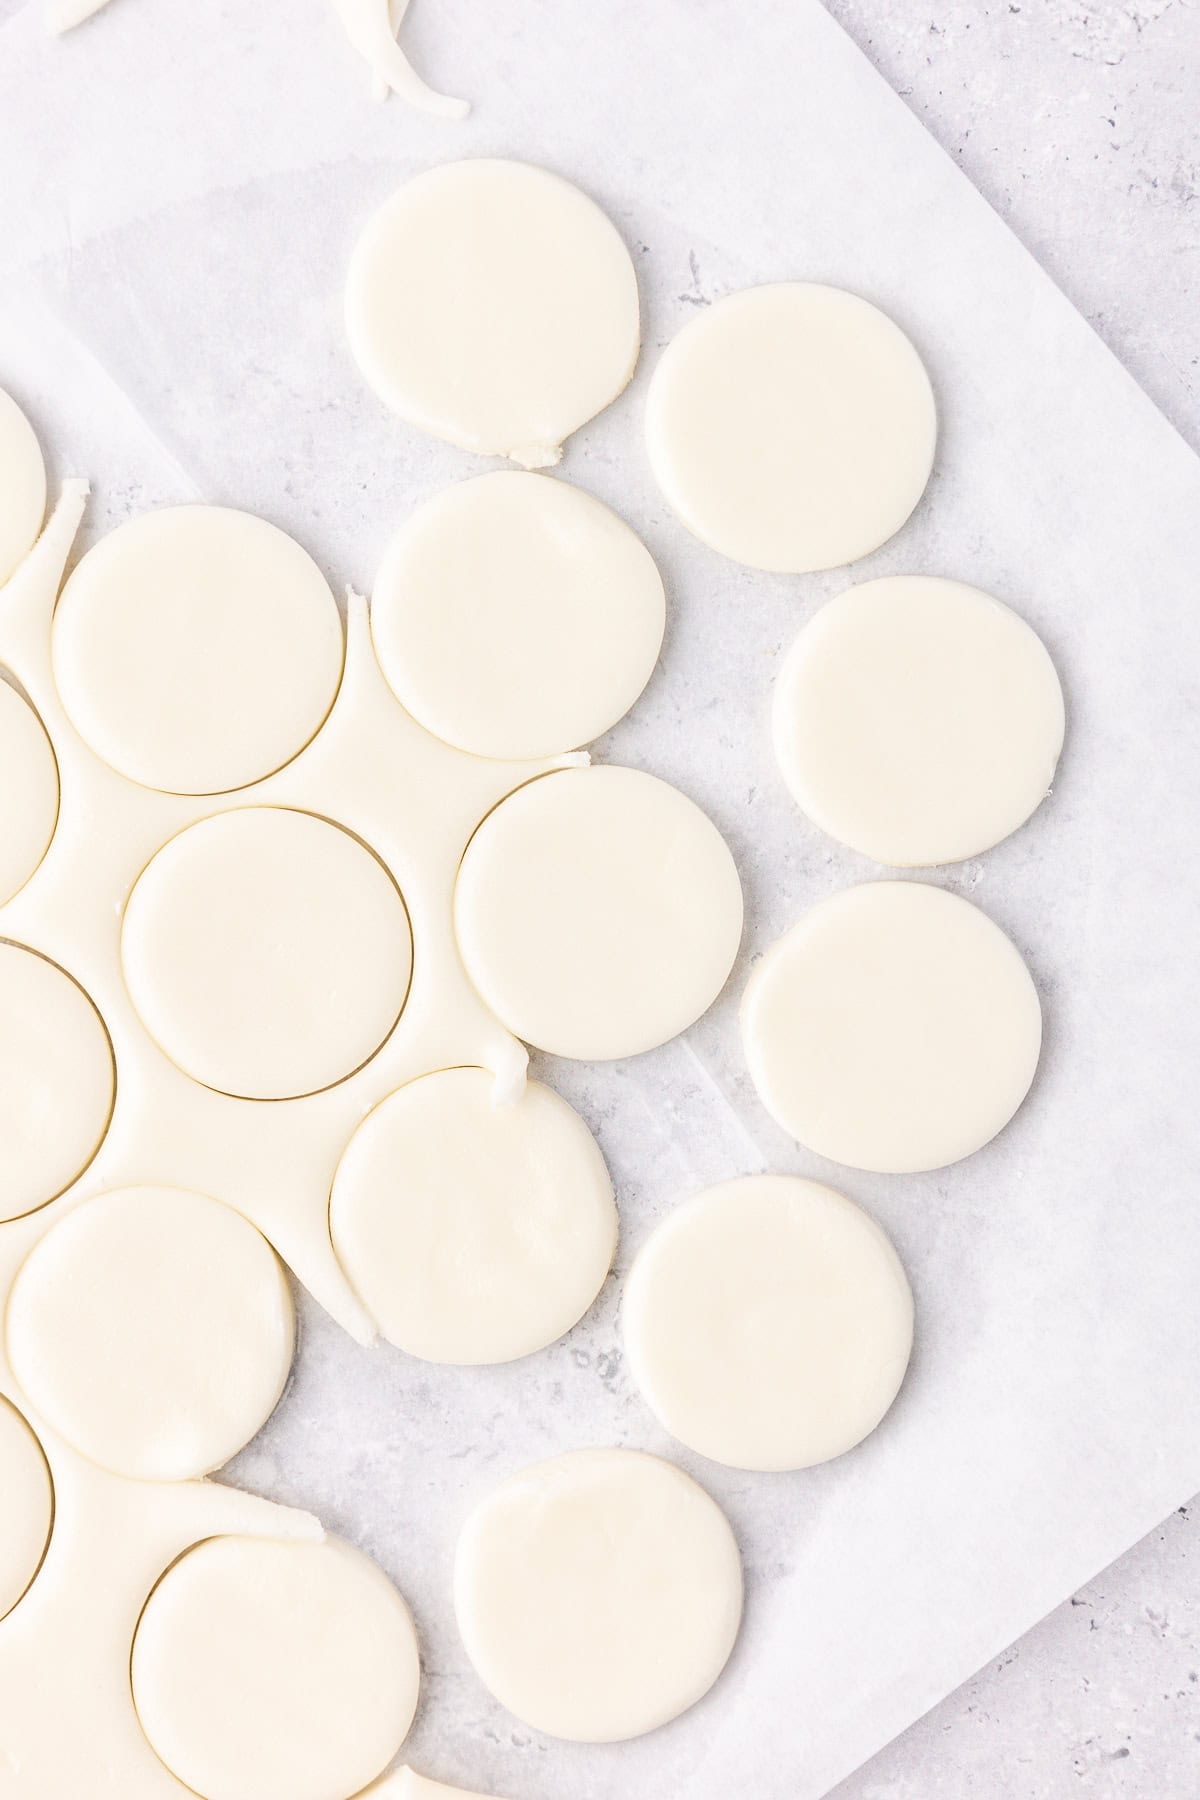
(598,1594)
(515,616)
(598,912)
(267,952)
(768,1322)
(275,1671)
(894,1028)
(791,427)
(26,1506)
(56,1080)
(493,304)
(22,486)
(197,649)
(28,791)
(918,720)
(153,1329)
(472,1232)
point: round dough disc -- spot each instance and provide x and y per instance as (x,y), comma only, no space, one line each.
(894,1028)
(473,1233)
(273,1671)
(918,720)
(56,1080)
(26,1506)
(494,305)
(768,1322)
(153,1329)
(791,427)
(28,791)
(22,487)
(267,952)
(515,616)
(197,649)
(598,1594)
(598,912)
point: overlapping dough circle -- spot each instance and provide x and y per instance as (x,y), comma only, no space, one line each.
(515,616)
(26,1505)
(153,1329)
(275,1671)
(197,649)
(473,1232)
(267,951)
(768,1322)
(57,1080)
(28,791)
(598,1594)
(598,912)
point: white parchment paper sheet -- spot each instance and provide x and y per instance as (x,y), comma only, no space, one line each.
(181,187)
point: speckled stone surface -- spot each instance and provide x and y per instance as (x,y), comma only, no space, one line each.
(1081,124)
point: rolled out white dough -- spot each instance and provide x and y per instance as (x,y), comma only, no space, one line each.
(598,1594)
(22,486)
(28,791)
(56,1080)
(515,616)
(791,427)
(26,1505)
(894,1028)
(472,1232)
(768,1322)
(598,912)
(267,952)
(275,1671)
(197,649)
(493,304)
(918,720)
(153,1329)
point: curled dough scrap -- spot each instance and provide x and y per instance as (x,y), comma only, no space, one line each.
(371,26)
(64,15)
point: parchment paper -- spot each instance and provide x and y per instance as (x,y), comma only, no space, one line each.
(181,187)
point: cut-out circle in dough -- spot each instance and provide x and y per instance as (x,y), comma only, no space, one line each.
(473,1232)
(267,952)
(791,427)
(197,649)
(918,720)
(26,1506)
(56,1080)
(598,1594)
(515,616)
(275,1671)
(894,1028)
(28,791)
(22,486)
(493,304)
(598,912)
(768,1322)
(153,1329)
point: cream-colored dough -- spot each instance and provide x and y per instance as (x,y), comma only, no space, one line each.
(26,1506)
(28,791)
(598,912)
(918,720)
(56,1080)
(473,1233)
(197,649)
(894,1028)
(154,1330)
(64,15)
(598,1594)
(515,616)
(791,427)
(768,1322)
(406,1784)
(493,304)
(371,26)
(275,1671)
(22,486)
(267,952)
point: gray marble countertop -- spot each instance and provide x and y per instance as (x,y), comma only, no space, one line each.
(1081,124)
